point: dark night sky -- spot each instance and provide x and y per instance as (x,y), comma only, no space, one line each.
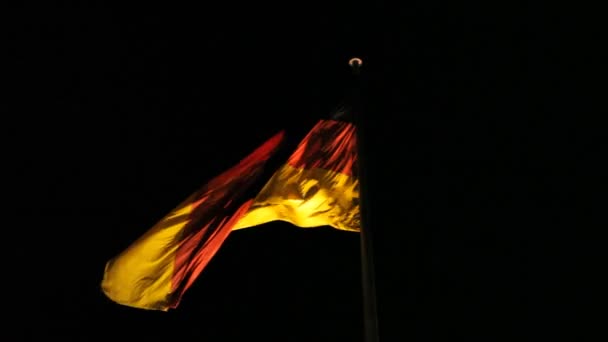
(468,161)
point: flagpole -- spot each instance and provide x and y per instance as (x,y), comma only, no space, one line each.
(370,315)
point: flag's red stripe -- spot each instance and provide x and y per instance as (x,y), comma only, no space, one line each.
(213,216)
(330,145)
(194,262)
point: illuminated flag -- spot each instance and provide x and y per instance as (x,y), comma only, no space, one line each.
(315,187)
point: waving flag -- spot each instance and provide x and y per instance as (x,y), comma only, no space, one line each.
(315,187)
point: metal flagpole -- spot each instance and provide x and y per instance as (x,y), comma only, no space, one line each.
(370,315)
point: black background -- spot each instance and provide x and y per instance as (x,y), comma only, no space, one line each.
(129,109)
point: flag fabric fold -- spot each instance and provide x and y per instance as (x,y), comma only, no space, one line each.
(158,268)
(317,186)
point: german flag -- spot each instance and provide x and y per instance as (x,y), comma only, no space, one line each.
(316,187)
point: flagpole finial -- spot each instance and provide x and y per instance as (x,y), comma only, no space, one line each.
(355,63)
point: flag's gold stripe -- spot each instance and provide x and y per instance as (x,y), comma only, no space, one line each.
(306,198)
(141,275)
